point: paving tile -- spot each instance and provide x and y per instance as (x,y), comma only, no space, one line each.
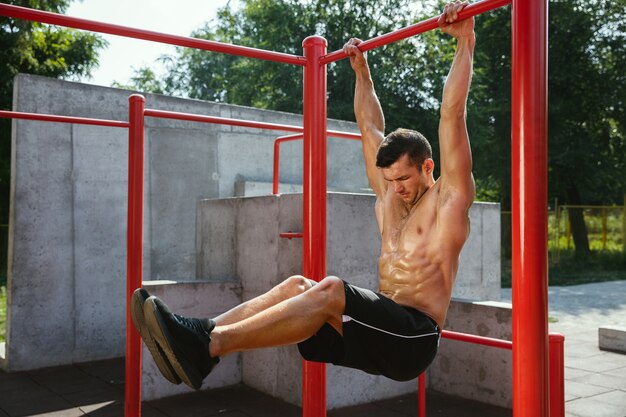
(34,405)
(604,380)
(582,390)
(148,411)
(365,410)
(31,393)
(582,350)
(614,398)
(192,405)
(572,373)
(70,412)
(106,409)
(95,396)
(596,365)
(591,408)
(617,372)
(405,404)
(16,381)
(110,370)
(68,380)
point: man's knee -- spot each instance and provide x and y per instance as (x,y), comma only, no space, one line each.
(298,284)
(331,290)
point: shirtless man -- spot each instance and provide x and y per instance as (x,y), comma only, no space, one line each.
(423,223)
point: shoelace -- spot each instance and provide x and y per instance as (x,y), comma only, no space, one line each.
(194,324)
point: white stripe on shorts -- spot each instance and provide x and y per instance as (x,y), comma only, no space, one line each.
(345,319)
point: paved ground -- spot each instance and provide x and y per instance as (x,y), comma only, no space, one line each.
(595,383)
(595,380)
(96,389)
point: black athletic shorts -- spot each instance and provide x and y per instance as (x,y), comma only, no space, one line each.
(380,337)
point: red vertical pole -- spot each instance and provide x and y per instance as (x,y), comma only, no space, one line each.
(421,395)
(557,375)
(529,203)
(134,252)
(314,207)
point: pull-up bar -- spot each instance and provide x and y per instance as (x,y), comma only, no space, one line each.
(415,29)
(148,35)
(61,119)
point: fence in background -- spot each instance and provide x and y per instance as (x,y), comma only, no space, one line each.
(4,249)
(606,229)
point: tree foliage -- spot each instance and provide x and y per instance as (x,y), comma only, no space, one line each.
(403,72)
(33,48)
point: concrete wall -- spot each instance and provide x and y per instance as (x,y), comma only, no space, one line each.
(67,256)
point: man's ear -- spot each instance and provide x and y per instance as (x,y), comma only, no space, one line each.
(428,166)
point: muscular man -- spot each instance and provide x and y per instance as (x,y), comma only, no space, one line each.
(423,223)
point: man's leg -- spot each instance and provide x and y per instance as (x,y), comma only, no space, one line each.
(291,287)
(193,346)
(289,321)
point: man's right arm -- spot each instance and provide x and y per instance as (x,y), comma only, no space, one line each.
(369,115)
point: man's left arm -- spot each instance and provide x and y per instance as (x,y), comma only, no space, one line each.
(456,154)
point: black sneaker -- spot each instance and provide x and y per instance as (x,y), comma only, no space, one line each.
(184,340)
(160,358)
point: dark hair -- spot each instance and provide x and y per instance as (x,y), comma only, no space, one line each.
(400,142)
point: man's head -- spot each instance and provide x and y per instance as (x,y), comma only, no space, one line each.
(405,159)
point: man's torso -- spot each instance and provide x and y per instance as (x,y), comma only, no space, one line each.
(420,249)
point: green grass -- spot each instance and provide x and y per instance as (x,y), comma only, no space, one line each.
(600,266)
(3,313)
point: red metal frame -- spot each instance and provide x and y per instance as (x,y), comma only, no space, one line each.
(314,205)
(529,205)
(529,198)
(61,119)
(134,251)
(91,25)
(557,368)
(415,29)
(290,138)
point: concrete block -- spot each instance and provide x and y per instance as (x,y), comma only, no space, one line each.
(217,238)
(472,371)
(245,188)
(612,338)
(182,171)
(478,277)
(192,299)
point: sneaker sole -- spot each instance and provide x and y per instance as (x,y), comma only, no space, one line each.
(185,370)
(160,358)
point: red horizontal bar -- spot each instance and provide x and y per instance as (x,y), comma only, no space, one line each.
(290,235)
(220,120)
(477,340)
(94,26)
(417,28)
(62,119)
(343,135)
(242,123)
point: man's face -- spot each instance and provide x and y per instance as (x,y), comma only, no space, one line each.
(408,182)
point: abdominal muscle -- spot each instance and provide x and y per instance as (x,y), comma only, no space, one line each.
(417,282)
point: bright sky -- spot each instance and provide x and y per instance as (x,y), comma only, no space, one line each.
(175,17)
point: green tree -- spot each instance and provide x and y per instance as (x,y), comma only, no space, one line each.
(33,48)
(587,147)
